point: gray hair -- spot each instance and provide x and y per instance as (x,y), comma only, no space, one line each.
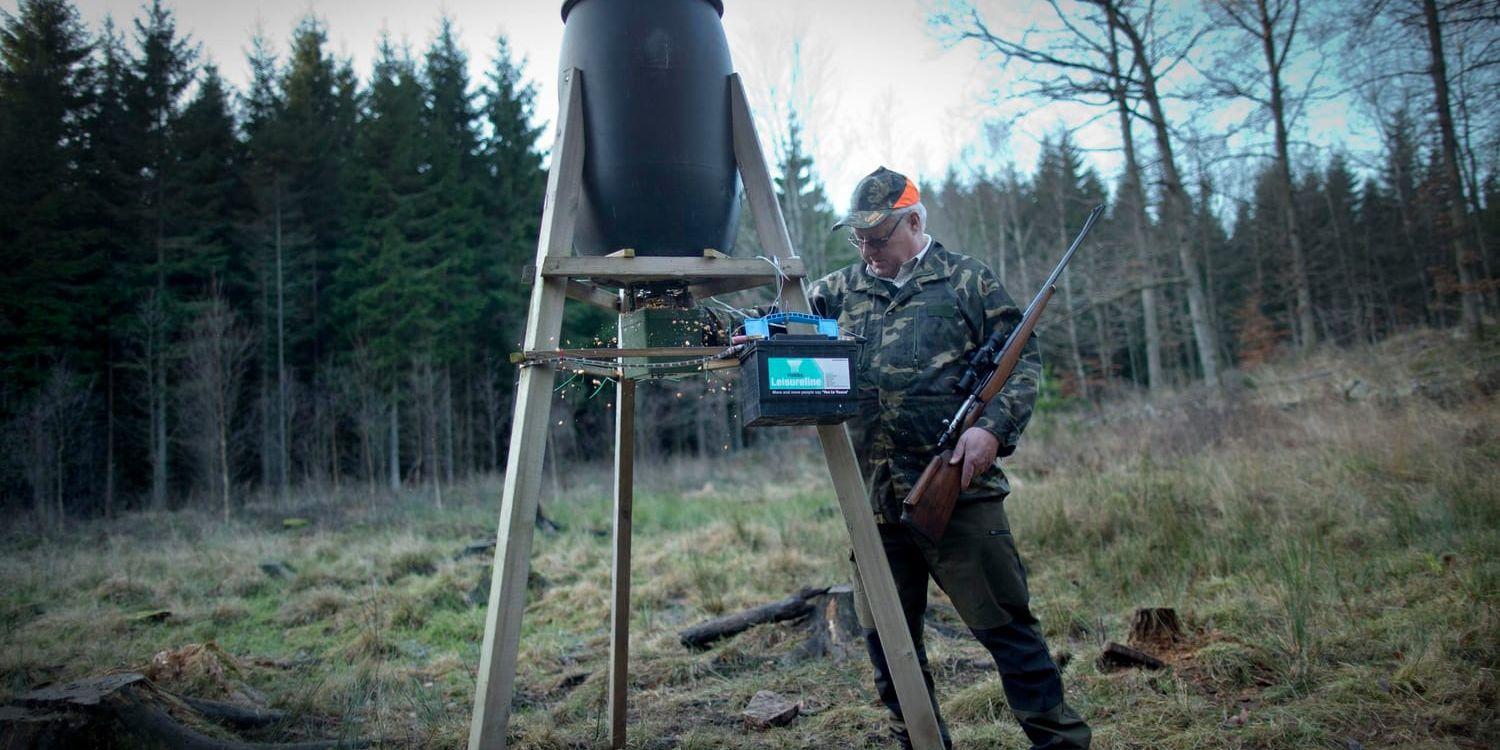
(921,212)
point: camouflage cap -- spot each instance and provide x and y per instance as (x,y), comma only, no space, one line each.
(879,195)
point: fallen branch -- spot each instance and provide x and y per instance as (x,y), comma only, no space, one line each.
(1117,656)
(796,606)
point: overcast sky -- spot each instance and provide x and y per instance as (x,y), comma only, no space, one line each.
(875,85)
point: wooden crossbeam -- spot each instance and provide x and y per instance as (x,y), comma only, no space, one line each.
(663,268)
(653,351)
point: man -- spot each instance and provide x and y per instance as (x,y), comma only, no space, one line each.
(920,309)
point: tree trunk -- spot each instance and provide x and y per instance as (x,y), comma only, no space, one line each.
(1178,213)
(1101,334)
(159,366)
(393,450)
(1138,219)
(109,440)
(446,415)
(283,457)
(155,400)
(1078,371)
(1457,213)
(1303,312)
(224,460)
(429,400)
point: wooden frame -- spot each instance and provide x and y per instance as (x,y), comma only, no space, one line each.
(556,277)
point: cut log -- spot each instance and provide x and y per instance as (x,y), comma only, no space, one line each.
(1117,656)
(1155,626)
(767,709)
(699,637)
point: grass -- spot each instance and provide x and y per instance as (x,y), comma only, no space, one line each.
(1336,559)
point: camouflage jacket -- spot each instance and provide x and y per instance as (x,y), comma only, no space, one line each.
(916,342)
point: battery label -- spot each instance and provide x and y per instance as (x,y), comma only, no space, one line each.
(807,374)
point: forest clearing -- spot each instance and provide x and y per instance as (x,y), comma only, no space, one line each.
(1329,534)
(301,320)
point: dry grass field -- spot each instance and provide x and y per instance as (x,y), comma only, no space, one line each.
(1329,531)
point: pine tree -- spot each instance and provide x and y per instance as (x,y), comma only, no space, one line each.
(457,235)
(1400,177)
(806,208)
(515,186)
(159,74)
(47,312)
(385,296)
(311,136)
(111,172)
(315,128)
(210,198)
(513,167)
(265,138)
(50,307)
(1064,191)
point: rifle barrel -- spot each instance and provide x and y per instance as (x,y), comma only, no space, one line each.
(1063,264)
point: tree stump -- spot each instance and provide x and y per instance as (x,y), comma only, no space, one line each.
(102,711)
(1157,626)
(832,627)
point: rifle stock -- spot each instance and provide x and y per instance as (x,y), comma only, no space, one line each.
(935,494)
(929,505)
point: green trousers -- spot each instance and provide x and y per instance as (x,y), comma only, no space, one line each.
(976,565)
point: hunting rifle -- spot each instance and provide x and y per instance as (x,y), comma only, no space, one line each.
(930,504)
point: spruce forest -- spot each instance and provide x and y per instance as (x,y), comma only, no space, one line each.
(213,294)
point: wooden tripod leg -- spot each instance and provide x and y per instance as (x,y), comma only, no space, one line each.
(619,642)
(502,631)
(880,589)
(528,438)
(869,554)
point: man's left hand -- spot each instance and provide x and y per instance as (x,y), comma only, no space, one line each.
(976,449)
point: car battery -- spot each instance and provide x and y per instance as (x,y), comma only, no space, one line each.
(798,380)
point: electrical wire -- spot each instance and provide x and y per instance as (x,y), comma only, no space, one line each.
(781,277)
(612,364)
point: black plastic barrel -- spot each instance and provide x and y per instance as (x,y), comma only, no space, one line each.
(658,171)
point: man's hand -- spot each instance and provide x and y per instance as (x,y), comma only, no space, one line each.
(976,449)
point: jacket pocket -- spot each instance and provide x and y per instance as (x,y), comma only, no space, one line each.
(938,350)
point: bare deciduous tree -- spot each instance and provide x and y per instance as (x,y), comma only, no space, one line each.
(1273,26)
(216,357)
(44,437)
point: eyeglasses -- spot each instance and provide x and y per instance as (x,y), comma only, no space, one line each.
(874,244)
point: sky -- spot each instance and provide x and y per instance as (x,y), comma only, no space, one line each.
(873,84)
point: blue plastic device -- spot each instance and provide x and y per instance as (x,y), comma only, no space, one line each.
(760,328)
